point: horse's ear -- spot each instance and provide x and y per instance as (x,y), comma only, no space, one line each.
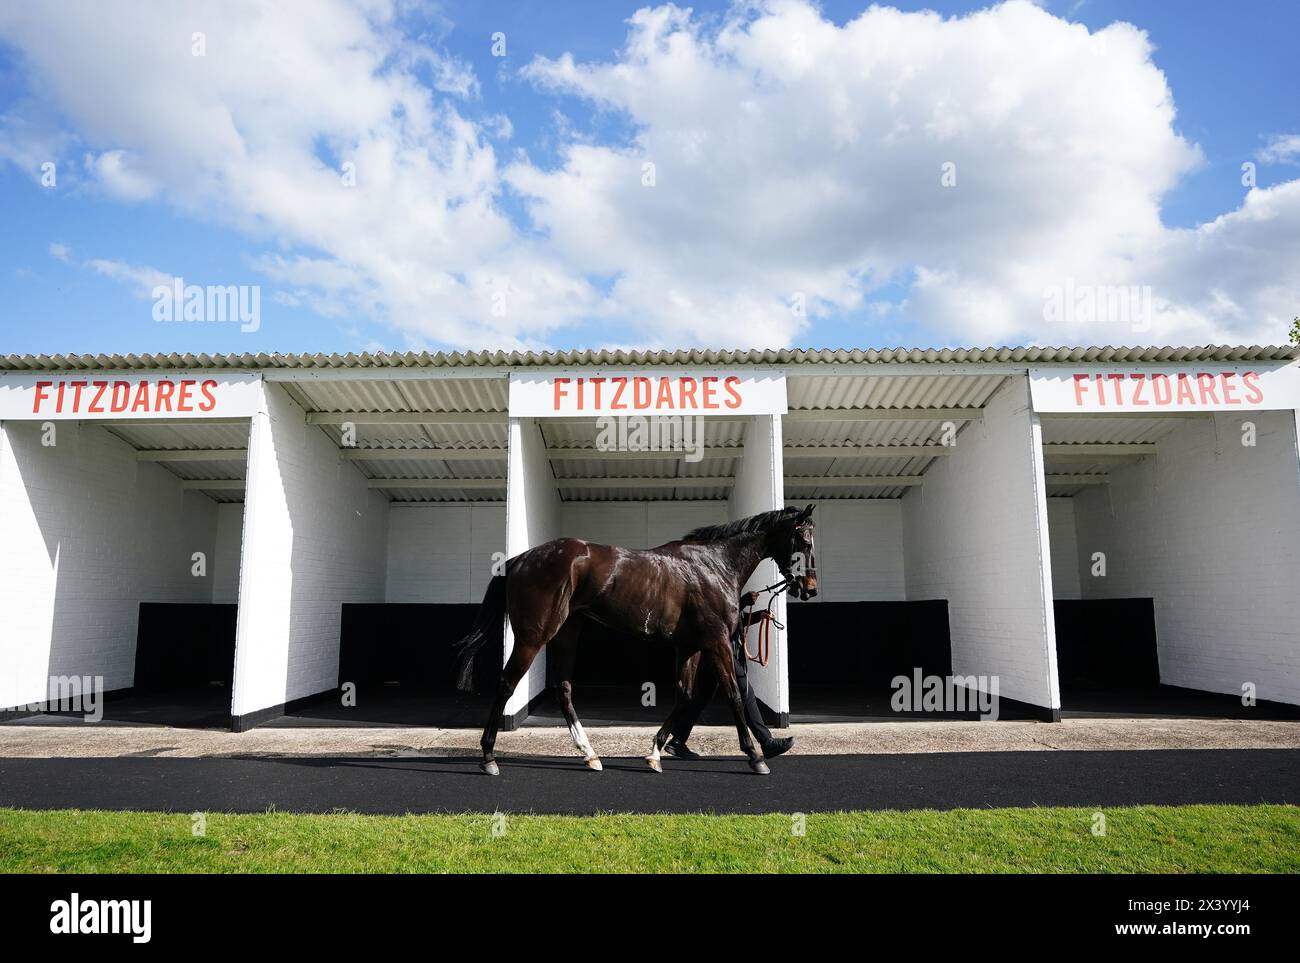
(806,512)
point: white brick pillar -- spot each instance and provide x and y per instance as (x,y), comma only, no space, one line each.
(532,518)
(760,487)
(975,533)
(315,537)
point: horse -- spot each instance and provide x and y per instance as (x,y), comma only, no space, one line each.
(686,593)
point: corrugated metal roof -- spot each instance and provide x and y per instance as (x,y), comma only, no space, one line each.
(806,492)
(174,436)
(443,394)
(584,433)
(226,497)
(458,495)
(615,466)
(1106,429)
(806,466)
(787,356)
(808,434)
(433,468)
(422,436)
(681,493)
(179,438)
(899,391)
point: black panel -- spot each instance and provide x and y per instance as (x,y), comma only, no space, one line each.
(1106,643)
(180,645)
(869,643)
(607,657)
(409,644)
(830,642)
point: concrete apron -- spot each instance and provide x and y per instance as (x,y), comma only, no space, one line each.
(18,741)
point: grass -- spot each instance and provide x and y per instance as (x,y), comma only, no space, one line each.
(1144,839)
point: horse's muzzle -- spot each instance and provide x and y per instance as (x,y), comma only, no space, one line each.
(805,585)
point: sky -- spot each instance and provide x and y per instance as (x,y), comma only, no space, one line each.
(392,175)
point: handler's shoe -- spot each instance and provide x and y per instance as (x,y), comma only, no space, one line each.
(679,750)
(777,746)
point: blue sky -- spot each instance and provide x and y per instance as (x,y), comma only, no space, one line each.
(518,174)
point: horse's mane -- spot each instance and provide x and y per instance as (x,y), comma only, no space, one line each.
(754,523)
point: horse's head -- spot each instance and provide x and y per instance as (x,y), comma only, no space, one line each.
(792,548)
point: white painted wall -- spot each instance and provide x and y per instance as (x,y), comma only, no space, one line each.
(637,524)
(89,534)
(1065,548)
(532,518)
(976,534)
(859,546)
(229,540)
(1208,529)
(760,487)
(314,537)
(442,553)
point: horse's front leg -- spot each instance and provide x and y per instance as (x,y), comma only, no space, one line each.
(720,657)
(563,655)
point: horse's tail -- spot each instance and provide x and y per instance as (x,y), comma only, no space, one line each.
(489,626)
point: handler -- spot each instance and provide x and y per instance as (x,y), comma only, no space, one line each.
(705,676)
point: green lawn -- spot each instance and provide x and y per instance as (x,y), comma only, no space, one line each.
(1200,839)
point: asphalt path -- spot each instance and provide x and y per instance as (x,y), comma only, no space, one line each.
(722,785)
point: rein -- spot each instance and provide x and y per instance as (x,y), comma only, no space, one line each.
(765,626)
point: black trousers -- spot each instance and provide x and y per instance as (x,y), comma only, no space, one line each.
(706,684)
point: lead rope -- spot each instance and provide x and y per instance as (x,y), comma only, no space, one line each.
(765,627)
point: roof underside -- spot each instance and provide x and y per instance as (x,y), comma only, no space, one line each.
(1102,443)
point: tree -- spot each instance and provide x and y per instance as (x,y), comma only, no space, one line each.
(1295,331)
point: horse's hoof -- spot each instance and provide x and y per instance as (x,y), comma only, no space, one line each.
(593,764)
(760,767)
(654,763)
(490,767)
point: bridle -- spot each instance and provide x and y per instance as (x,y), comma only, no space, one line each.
(795,585)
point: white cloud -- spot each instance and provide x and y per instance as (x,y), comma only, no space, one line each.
(59,252)
(142,279)
(795,155)
(793,159)
(119,174)
(254,133)
(1281,149)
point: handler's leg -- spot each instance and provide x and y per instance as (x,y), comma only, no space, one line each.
(697,696)
(771,745)
(753,715)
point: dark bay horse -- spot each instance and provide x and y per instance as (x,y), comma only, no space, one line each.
(686,593)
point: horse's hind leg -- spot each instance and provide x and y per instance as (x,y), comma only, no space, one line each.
(560,662)
(521,657)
